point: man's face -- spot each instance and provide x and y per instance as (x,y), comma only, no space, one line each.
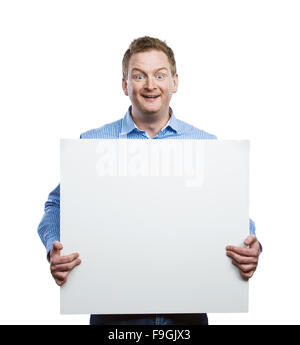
(150,84)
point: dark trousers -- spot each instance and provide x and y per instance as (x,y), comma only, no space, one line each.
(150,319)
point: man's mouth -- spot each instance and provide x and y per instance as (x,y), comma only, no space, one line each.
(150,96)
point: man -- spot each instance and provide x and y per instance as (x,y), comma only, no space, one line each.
(149,79)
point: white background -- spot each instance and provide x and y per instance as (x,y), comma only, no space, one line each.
(60,75)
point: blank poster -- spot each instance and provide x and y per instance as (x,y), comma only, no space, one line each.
(151,220)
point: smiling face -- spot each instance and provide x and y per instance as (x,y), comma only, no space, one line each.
(150,83)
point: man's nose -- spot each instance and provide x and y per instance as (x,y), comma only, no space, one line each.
(150,83)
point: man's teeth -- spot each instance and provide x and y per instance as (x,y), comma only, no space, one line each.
(151,96)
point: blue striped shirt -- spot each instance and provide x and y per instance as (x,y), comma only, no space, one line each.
(49,227)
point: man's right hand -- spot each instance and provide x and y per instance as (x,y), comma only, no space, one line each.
(61,266)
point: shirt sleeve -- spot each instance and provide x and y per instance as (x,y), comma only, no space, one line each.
(252,230)
(49,227)
(252,227)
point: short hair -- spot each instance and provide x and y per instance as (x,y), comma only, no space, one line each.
(144,44)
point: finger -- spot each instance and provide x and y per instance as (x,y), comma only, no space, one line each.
(242,259)
(60,276)
(243,251)
(250,240)
(57,247)
(65,267)
(246,275)
(245,267)
(59,282)
(57,260)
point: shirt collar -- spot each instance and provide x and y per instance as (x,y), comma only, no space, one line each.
(128,124)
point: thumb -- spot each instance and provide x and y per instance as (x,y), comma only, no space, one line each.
(250,240)
(57,247)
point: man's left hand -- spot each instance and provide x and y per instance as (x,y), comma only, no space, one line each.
(246,259)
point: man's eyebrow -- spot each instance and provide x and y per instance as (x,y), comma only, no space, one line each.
(140,70)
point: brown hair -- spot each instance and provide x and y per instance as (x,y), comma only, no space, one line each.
(147,43)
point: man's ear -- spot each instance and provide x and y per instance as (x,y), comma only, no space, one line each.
(175,83)
(124,86)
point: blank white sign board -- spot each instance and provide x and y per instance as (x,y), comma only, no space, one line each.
(151,220)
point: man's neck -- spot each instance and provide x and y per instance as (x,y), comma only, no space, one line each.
(152,123)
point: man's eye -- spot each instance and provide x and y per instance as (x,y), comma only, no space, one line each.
(138,76)
(160,76)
